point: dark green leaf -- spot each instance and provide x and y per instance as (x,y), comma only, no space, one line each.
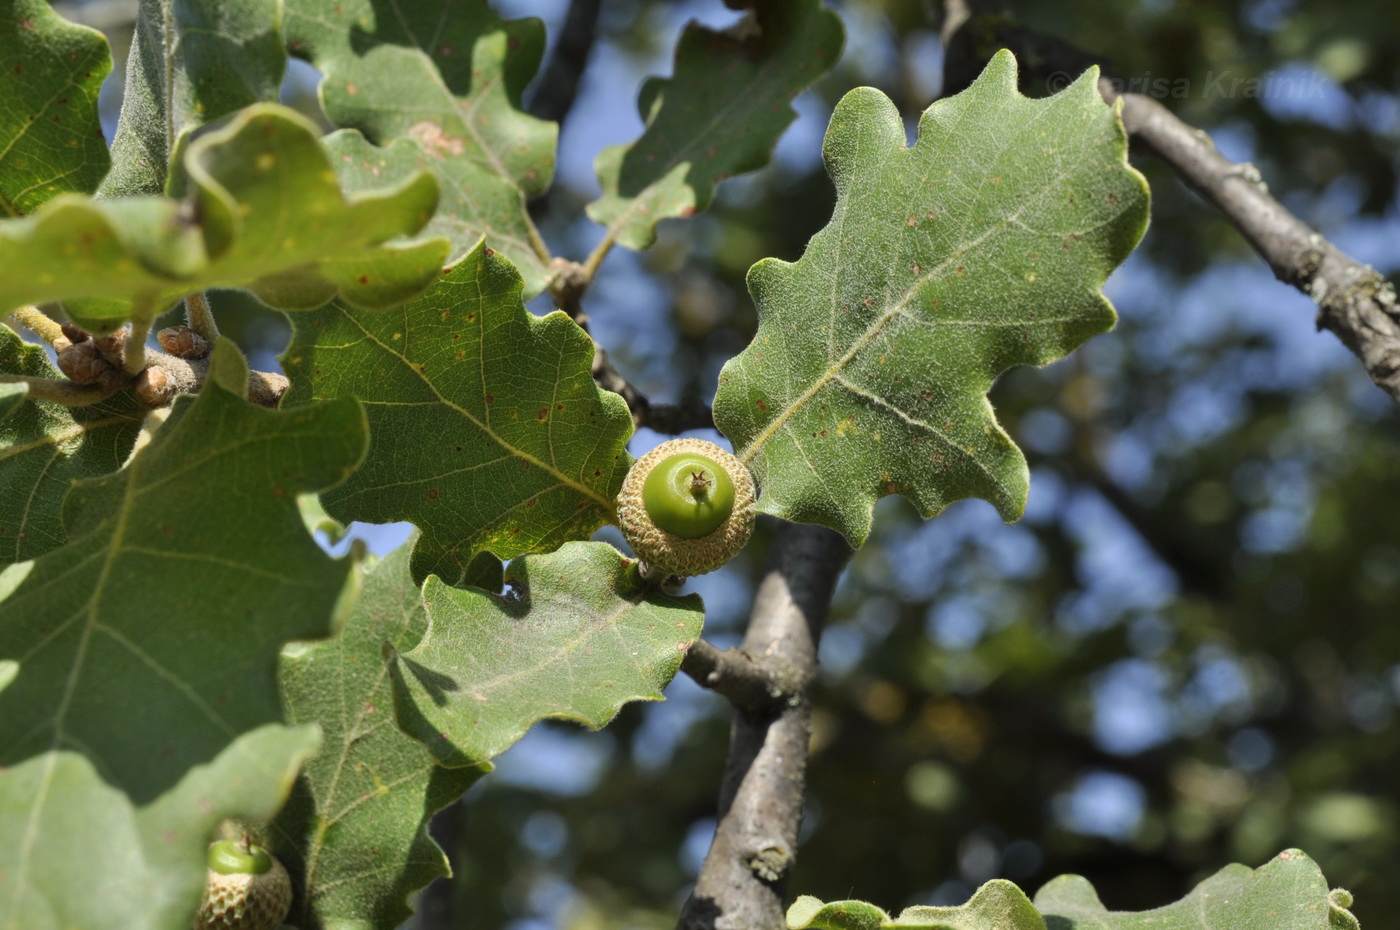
(718,115)
(45,447)
(464,70)
(50,136)
(355,830)
(982,246)
(190,64)
(487,430)
(576,637)
(149,640)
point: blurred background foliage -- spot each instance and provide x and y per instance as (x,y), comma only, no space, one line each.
(1186,654)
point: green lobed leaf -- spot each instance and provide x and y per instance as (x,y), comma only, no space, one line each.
(45,447)
(719,114)
(1286,893)
(982,246)
(487,430)
(578,635)
(79,854)
(50,135)
(271,217)
(190,64)
(354,834)
(464,70)
(149,640)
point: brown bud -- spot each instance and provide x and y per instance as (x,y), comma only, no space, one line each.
(74,332)
(154,387)
(83,363)
(183,341)
(113,345)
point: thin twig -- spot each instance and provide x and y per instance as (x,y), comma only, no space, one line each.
(742,882)
(67,393)
(38,323)
(200,318)
(134,359)
(1354,301)
(736,675)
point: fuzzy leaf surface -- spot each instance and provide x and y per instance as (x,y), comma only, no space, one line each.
(190,64)
(720,114)
(45,447)
(487,430)
(1286,893)
(50,135)
(97,862)
(271,218)
(578,636)
(149,640)
(446,75)
(355,829)
(983,246)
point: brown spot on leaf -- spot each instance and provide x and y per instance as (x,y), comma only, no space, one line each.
(432,494)
(435,140)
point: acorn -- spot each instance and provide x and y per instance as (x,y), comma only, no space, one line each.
(686,507)
(246,888)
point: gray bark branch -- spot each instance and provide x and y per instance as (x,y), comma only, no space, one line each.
(1354,301)
(743,880)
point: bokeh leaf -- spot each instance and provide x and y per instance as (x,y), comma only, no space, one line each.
(97,862)
(50,135)
(354,833)
(190,64)
(982,246)
(1286,893)
(149,640)
(464,69)
(271,217)
(577,636)
(487,430)
(719,114)
(45,447)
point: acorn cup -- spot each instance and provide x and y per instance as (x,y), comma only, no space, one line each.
(246,888)
(686,507)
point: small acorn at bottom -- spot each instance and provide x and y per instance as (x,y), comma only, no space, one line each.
(686,507)
(246,889)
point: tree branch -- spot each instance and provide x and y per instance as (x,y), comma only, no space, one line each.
(558,87)
(736,675)
(1354,301)
(742,882)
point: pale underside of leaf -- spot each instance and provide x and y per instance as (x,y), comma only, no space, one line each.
(982,246)
(263,210)
(77,853)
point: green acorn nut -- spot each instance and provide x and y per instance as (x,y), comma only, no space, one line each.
(246,889)
(686,507)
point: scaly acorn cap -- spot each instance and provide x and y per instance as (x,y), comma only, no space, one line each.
(686,507)
(246,888)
